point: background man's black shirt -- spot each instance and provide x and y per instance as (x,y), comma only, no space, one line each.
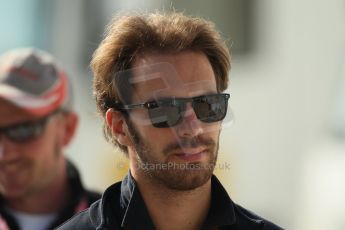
(80,200)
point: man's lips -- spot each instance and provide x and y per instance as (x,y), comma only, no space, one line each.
(190,151)
(191,154)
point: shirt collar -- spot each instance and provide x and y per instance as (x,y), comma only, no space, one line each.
(221,212)
(132,202)
(136,216)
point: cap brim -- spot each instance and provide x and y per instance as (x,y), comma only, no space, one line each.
(37,106)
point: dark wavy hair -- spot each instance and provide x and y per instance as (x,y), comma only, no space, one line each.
(128,35)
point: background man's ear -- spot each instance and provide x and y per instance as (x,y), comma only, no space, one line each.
(118,126)
(70,126)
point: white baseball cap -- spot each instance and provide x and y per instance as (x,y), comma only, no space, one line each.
(32,80)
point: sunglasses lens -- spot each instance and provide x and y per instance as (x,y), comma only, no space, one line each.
(24,132)
(211,108)
(165,114)
(168,113)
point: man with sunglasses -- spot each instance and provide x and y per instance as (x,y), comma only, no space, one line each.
(159,81)
(39,188)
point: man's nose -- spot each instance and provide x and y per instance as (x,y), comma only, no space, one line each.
(190,126)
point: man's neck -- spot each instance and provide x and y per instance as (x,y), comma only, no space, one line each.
(171,209)
(50,199)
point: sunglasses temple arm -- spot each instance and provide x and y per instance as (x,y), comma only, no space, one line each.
(133,106)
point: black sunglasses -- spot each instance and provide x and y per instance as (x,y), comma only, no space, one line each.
(169,112)
(26,131)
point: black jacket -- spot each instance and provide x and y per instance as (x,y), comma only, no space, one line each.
(122,207)
(80,200)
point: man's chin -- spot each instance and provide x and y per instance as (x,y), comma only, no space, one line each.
(183,179)
(13,189)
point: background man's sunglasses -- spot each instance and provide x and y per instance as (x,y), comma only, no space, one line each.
(26,131)
(169,112)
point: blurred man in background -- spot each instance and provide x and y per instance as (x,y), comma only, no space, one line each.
(39,188)
(159,81)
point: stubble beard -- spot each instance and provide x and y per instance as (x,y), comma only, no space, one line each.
(172,175)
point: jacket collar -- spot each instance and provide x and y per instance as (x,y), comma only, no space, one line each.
(133,214)
(221,212)
(132,202)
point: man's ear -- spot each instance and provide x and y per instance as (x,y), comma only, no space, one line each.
(71,120)
(118,126)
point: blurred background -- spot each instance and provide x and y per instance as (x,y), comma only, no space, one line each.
(286,148)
